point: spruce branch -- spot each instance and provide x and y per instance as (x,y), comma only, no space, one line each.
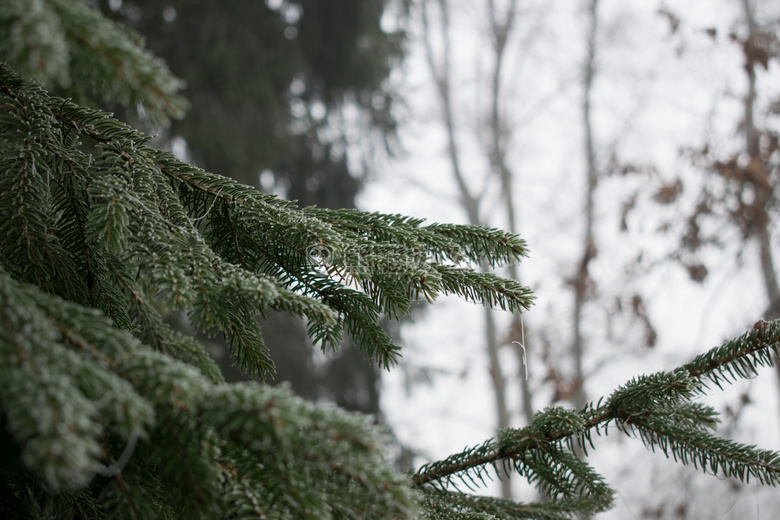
(49,387)
(444,241)
(739,357)
(452,504)
(485,288)
(334,451)
(704,450)
(652,392)
(136,210)
(497,247)
(657,407)
(64,43)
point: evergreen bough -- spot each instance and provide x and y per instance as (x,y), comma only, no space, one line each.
(109,412)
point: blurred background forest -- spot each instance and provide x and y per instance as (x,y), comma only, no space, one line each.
(634,145)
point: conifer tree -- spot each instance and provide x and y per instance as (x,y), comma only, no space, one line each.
(107,412)
(286,72)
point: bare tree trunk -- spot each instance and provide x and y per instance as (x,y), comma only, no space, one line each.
(501,26)
(496,375)
(441,74)
(581,281)
(752,147)
(754,152)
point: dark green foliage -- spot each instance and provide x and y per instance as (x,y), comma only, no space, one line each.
(67,45)
(106,412)
(281,88)
(99,391)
